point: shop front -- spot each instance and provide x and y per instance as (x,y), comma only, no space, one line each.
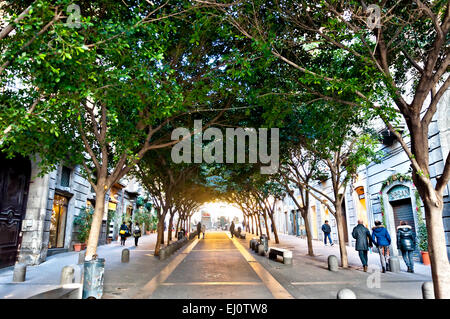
(58,222)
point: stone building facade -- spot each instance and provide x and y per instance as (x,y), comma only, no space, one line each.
(382,191)
(37,212)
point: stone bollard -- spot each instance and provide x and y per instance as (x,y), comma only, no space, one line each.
(67,275)
(333,264)
(261,251)
(428,290)
(346,294)
(20,271)
(162,254)
(394,264)
(125,255)
(81,257)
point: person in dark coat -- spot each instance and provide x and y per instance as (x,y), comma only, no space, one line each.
(382,240)
(232,229)
(199,229)
(363,242)
(136,234)
(326,233)
(123,233)
(406,242)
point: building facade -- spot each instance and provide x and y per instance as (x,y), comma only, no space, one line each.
(381,191)
(37,212)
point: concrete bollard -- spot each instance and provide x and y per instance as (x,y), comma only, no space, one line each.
(261,251)
(81,257)
(333,264)
(428,290)
(20,271)
(394,264)
(67,275)
(125,255)
(346,294)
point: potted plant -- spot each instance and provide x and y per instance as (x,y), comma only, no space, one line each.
(83,221)
(423,243)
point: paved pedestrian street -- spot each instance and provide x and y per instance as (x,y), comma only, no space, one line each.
(221,267)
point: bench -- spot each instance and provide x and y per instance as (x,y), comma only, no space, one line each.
(286,254)
(69,291)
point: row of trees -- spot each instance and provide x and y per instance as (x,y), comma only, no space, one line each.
(107,95)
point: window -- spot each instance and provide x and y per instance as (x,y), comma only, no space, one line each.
(65,176)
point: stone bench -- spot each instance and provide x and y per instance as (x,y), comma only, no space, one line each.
(70,291)
(286,254)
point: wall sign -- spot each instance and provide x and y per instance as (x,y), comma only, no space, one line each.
(399,192)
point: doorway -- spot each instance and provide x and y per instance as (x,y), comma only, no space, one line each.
(403,211)
(58,222)
(14,183)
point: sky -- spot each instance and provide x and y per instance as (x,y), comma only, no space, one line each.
(218,209)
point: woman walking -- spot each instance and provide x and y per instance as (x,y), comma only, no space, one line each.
(382,240)
(123,233)
(136,233)
(406,242)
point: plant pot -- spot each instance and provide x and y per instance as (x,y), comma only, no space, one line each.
(147,232)
(425,257)
(79,246)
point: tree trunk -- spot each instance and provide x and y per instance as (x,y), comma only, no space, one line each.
(178,227)
(437,249)
(275,232)
(267,225)
(258,219)
(96,225)
(160,236)
(256,225)
(340,226)
(308,232)
(169,229)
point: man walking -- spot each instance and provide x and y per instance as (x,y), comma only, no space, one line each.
(199,229)
(363,241)
(326,233)
(232,229)
(382,240)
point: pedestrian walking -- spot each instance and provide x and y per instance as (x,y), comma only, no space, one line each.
(199,229)
(136,233)
(203,230)
(363,242)
(327,233)
(243,225)
(232,229)
(123,233)
(406,242)
(382,240)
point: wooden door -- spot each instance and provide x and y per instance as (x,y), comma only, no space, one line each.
(14,184)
